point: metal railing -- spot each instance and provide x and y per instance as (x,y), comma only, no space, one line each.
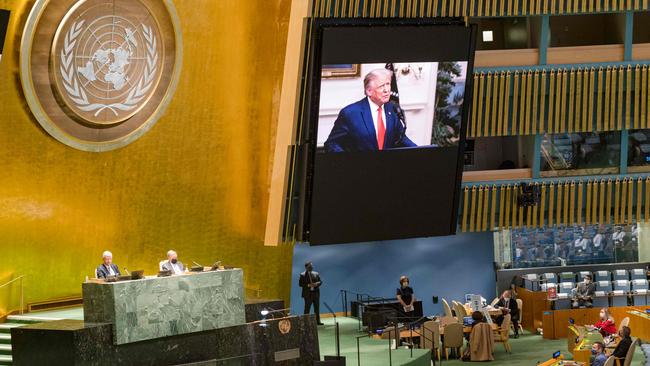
(22,292)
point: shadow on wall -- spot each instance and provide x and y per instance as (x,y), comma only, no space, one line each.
(447,267)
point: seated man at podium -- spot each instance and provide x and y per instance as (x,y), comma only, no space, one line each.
(173,264)
(107,268)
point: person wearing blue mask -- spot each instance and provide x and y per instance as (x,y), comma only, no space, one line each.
(597,350)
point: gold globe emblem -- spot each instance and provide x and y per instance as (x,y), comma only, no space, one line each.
(112,67)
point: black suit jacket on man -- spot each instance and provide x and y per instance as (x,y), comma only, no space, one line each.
(103,271)
(167,266)
(305,281)
(512,305)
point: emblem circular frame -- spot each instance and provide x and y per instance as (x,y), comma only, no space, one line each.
(54,115)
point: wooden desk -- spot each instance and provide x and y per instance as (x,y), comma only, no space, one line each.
(556,321)
(560,361)
(639,324)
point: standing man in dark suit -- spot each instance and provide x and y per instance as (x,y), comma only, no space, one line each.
(508,305)
(372,123)
(310,283)
(107,268)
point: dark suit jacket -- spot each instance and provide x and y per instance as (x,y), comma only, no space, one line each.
(354,130)
(103,272)
(587,290)
(622,347)
(512,305)
(168,266)
(304,283)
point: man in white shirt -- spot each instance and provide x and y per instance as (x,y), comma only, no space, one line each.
(173,264)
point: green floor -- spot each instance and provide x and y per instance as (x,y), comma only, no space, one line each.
(526,350)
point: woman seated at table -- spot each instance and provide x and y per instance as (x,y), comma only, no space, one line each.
(606,325)
(624,344)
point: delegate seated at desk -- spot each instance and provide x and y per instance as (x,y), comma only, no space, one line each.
(606,325)
(173,264)
(624,344)
(598,351)
(508,305)
(107,268)
(583,293)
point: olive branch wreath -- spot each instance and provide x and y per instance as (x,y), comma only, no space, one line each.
(78,94)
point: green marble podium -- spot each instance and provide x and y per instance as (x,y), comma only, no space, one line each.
(165,306)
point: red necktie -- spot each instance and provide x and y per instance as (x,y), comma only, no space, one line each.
(381,129)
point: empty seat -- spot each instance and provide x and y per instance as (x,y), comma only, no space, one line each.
(566,287)
(531,281)
(621,274)
(603,276)
(640,291)
(549,277)
(567,277)
(601,296)
(620,293)
(638,274)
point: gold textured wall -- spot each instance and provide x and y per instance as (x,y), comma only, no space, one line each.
(197,182)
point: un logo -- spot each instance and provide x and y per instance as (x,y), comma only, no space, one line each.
(113,66)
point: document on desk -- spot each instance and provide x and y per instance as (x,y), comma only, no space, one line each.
(408,308)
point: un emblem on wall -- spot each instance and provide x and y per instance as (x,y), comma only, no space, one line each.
(110,70)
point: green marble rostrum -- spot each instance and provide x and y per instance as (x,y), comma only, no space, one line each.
(159,307)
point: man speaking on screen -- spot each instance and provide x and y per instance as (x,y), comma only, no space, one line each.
(372,123)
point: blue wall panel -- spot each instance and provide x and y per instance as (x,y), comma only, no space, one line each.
(447,267)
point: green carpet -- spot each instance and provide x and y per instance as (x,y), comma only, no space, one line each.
(526,350)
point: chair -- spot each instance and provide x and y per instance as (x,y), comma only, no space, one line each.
(453,338)
(567,277)
(520,305)
(630,352)
(503,334)
(495,301)
(638,274)
(582,275)
(601,296)
(549,277)
(564,295)
(566,287)
(481,343)
(431,337)
(620,293)
(460,311)
(640,291)
(447,309)
(602,276)
(624,323)
(531,281)
(610,361)
(621,274)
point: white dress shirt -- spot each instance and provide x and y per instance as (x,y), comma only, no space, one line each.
(110,270)
(373,111)
(598,240)
(176,268)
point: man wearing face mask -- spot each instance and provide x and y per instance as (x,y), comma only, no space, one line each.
(173,264)
(584,293)
(310,282)
(508,305)
(599,356)
(405,297)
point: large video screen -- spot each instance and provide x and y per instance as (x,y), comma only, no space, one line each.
(386,115)
(4,21)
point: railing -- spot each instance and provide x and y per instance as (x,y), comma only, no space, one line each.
(22,293)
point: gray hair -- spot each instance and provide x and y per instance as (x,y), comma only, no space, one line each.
(373,75)
(107,254)
(170,253)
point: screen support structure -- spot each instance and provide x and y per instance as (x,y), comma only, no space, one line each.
(4,23)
